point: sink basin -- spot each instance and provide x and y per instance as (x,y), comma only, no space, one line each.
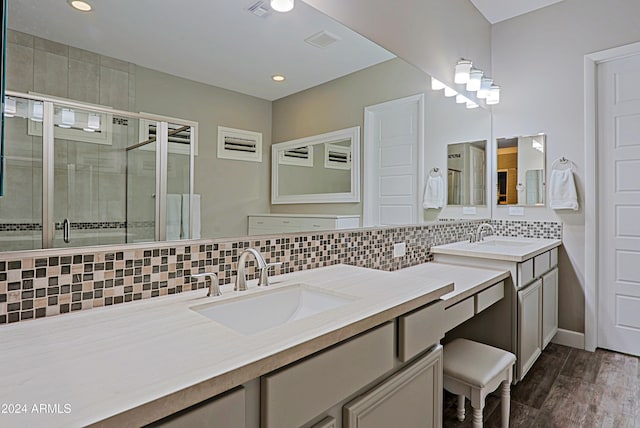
(504,243)
(270,308)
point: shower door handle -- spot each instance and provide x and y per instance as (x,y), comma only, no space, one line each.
(66,228)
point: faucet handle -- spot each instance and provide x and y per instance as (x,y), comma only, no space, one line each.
(264,273)
(214,286)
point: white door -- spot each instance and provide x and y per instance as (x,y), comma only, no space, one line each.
(619,202)
(393,162)
(477,161)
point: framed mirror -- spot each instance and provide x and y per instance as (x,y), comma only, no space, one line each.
(321,168)
(521,172)
(466,172)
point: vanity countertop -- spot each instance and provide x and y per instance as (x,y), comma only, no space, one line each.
(467,280)
(308,215)
(130,364)
(499,248)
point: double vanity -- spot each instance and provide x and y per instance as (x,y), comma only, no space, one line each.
(339,346)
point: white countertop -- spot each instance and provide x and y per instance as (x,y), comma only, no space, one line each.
(467,280)
(307,215)
(499,248)
(129,364)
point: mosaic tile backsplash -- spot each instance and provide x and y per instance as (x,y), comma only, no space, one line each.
(41,286)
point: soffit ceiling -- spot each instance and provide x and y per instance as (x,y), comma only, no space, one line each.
(217,42)
(500,10)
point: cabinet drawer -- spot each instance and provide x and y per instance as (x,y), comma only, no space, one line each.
(488,297)
(273,222)
(317,224)
(458,313)
(420,330)
(553,255)
(294,395)
(223,411)
(541,264)
(525,273)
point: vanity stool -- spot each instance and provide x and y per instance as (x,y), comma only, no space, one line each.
(473,370)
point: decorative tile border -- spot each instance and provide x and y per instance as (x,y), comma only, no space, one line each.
(55,282)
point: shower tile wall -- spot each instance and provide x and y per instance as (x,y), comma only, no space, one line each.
(89,178)
(45,283)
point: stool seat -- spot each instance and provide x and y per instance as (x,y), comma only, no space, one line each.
(472,370)
(475,363)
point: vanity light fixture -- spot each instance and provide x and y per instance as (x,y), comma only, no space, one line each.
(494,95)
(475,79)
(93,123)
(80,5)
(37,111)
(485,86)
(449,92)
(10,107)
(282,5)
(436,85)
(67,118)
(463,69)
(278,78)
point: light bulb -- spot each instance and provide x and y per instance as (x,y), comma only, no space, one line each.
(93,123)
(494,95)
(485,86)
(475,79)
(282,5)
(67,118)
(462,70)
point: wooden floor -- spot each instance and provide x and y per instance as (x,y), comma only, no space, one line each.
(565,388)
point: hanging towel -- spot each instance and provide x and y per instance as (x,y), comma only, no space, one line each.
(434,192)
(195,216)
(174,216)
(562,190)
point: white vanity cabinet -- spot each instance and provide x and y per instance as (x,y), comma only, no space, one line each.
(533,312)
(265,224)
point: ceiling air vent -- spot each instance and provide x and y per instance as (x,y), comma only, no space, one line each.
(239,144)
(260,9)
(322,39)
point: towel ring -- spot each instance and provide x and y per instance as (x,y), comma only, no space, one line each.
(435,172)
(563,162)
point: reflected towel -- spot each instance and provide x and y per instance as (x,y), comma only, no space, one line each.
(562,190)
(195,216)
(174,216)
(434,192)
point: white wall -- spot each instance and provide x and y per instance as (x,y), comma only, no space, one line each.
(538,59)
(430,34)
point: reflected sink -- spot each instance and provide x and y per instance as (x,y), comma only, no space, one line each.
(270,308)
(504,243)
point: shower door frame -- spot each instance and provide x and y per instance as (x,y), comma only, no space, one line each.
(48,141)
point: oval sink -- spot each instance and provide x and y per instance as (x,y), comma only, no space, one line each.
(270,308)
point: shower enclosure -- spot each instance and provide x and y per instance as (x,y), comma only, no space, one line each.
(78,174)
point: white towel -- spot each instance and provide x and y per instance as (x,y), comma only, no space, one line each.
(174,216)
(195,216)
(434,192)
(562,190)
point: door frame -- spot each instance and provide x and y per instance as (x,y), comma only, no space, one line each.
(592,272)
(370,156)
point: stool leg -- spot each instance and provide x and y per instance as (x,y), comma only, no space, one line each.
(477,418)
(506,403)
(461,407)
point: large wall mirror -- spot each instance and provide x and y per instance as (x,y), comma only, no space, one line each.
(321,168)
(466,173)
(520,174)
(118,56)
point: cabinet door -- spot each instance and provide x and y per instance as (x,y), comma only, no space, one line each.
(549,306)
(529,327)
(412,398)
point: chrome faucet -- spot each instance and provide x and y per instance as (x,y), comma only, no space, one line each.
(214,285)
(241,276)
(480,232)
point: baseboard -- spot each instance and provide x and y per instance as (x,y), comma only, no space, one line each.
(570,338)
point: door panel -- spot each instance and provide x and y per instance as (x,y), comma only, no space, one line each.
(619,190)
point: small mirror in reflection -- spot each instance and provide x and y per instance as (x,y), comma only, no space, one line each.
(521,170)
(466,172)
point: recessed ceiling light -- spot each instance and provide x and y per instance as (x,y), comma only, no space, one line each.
(80,5)
(278,78)
(281,5)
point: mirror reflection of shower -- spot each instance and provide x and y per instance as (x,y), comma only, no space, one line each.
(466,173)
